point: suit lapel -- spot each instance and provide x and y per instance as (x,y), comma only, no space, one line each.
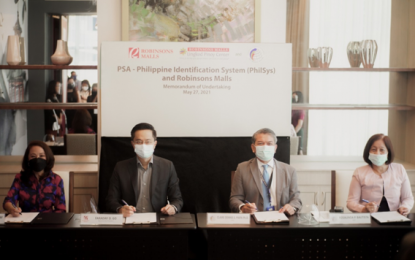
(279,183)
(154,177)
(134,178)
(256,174)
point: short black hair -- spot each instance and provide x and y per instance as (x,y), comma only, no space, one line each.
(143,126)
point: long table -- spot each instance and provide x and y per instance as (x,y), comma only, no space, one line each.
(295,241)
(73,241)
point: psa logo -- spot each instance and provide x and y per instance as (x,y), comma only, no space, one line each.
(183,51)
(85,218)
(134,53)
(256,55)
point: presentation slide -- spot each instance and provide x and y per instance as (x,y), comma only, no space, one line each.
(195,89)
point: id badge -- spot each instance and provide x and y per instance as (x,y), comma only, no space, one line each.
(272,208)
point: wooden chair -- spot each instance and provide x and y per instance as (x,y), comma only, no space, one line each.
(232,175)
(81,144)
(83,186)
(333,189)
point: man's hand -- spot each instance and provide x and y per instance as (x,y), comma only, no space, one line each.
(249,208)
(287,208)
(168,210)
(403,211)
(127,211)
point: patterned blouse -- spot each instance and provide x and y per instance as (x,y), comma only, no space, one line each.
(44,196)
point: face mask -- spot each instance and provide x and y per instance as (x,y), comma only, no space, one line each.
(37,164)
(85,88)
(70,87)
(58,91)
(144,151)
(378,159)
(74,78)
(265,152)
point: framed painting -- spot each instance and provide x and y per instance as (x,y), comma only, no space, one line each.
(191,20)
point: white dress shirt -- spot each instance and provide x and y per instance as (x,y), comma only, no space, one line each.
(273,189)
(271,170)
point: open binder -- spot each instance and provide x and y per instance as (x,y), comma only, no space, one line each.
(390,217)
(270,217)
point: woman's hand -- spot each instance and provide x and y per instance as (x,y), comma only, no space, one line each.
(403,211)
(371,207)
(12,210)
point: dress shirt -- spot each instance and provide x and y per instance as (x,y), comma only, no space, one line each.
(144,185)
(272,172)
(368,185)
(273,189)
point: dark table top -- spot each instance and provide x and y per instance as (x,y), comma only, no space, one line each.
(75,223)
(202,223)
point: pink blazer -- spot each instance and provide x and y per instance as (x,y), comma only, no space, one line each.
(366,184)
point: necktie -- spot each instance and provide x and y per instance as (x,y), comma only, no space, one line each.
(265,190)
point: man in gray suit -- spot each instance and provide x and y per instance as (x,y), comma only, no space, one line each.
(145,183)
(264,183)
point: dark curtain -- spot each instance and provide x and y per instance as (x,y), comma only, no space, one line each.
(203,165)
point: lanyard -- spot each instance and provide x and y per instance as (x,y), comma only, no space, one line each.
(265,183)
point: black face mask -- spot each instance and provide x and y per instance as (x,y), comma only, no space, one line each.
(37,164)
(70,86)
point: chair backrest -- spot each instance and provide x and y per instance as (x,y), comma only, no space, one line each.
(294,145)
(232,175)
(81,144)
(83,186)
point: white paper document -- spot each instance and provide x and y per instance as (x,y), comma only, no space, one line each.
(389,216)
(270,216)
(24,218)
(142,218)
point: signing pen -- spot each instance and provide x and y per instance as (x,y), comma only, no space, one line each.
(250,204)
(125,203)
(14,206)
(365,200)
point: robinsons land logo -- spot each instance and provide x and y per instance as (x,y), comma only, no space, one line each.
(136,53)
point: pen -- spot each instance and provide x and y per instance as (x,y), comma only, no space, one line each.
(125,203)
(14,206)
(250,204)
(365,200)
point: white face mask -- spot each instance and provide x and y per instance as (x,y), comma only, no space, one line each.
(85,88)
(144,151)
(264,152)
(378,159)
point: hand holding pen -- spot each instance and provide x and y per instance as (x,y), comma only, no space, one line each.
(249,207)
(16,211)
(370,206)
(126,210)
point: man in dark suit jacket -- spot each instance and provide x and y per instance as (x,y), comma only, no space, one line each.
(254,190)
(147,183)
